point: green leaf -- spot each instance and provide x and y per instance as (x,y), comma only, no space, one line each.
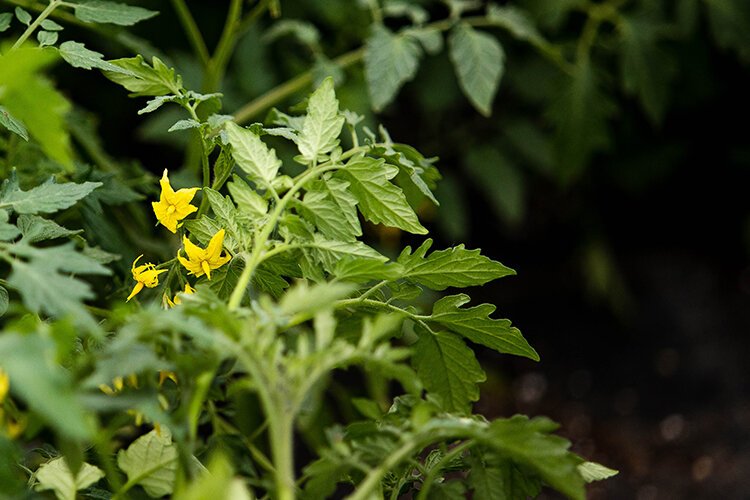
(729,20)
(46,38)
(332,208)
(142,79)
(448,490)
(329,252)
(475,324)
(50,25)
(448,369)
(100,11)
(248,201)
(217,483)
(487,482)
(517,21)
(479,61)
(380,201)
(647,70)
(151,462)
(252,155)
(455,267)
(322,126)
(360,270)
(8,231)
(43,384)
(35,229)
(15,126)
(592,471)
(580,113)
(390,61)
(4,301)
(55,475)
(224,279)
(528,442)
(23,16)
(305,299)
(78,56)
(184,125)
(46,198)
(5,20)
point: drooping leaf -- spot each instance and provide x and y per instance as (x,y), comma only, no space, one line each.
(592,471)
(5,20)
(101,11)
(46,198)
(322,126)
(479,61)
(142,79)
(390,61)
(248,201)
(184,125)
(12,124)
(35,228)
(252,155)
(448,369)
(455,267)
(332,208)
(77,55)
(380,201)
(475,324)
(151,462)
(516,20)
(55,475)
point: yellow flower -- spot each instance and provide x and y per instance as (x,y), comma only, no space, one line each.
(165,375)
(4,385)
(177,300)
(173,206)
(145,275)
(200,261)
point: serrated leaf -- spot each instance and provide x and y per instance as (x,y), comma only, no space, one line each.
(77,55)
(5,20)
(36,228)
(528,442)
(380,201)
(8,231)
(143,79)
(46,38)
(592,471)
(487,482)
(151,462)
(516,20)
(322,126)
(455,267)
(305,299)
(184,125)
(224,279)
(360,270)
(332,208)
(100,11)
(475,324)
(55,475)
(248,201)
(47,198)
(448,369)
(329,252)
(646,69)
(479,60)
(448,490)
(12,124)
(390,61)
(252,155)
(23,16)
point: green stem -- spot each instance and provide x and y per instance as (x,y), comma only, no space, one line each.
(33,26)
(191,30)
(218,62)
(367,488)
(429,480)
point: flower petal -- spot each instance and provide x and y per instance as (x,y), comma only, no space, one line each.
(193,251)
(215,246)
(137,288)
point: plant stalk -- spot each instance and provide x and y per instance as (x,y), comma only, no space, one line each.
(33,26)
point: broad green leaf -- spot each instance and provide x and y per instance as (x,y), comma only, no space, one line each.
(380,201)
(46,38)
(580,113)
(5,20)
(47,198)
(448,490)
(390,61)
(430,39)
(78,56)
(729,20)
(8,231)
(100,11)
(322,126)
(361,270)
(252,155)
(36,228)
(332,208)
(448,368)
(63,257)
(329,252)
(226,214)
(184,125)
(143,79)
(517,21)
(646,69)
(224,279)
(43,384)
(306,299)
(455,267)
(528,442)
(56,476)
(15,126)
(592,471)
(248,201)
(23,16)
(4,302)
(479,61)
(151,462)
(487,482)
(217,483)
(475,324)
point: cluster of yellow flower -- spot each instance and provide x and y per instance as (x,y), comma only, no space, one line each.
(172,207)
